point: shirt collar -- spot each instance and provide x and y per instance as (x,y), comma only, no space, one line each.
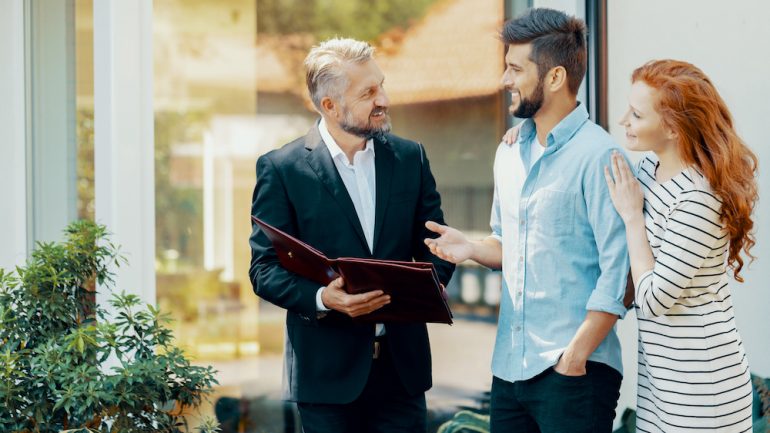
(334,149)
(561,133)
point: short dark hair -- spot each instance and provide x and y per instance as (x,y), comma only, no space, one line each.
(557,40)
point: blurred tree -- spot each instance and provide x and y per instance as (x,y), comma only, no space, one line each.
(360,19)
(85,163)
(179,209)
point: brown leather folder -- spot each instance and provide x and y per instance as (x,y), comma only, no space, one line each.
(416,295)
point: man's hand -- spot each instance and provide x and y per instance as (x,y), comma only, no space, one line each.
(336,298)
(568,365)
(451,246)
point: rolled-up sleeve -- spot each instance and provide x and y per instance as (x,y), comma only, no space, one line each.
(610,237)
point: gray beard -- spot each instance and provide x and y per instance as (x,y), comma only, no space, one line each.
(368,131)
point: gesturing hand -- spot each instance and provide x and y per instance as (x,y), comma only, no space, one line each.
(451,246)
(336,298)
(625,191)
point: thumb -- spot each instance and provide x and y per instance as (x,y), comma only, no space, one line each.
(337,283)
(435,227)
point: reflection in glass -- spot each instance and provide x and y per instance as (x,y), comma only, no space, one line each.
(229,86)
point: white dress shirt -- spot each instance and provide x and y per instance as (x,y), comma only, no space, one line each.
(359,181)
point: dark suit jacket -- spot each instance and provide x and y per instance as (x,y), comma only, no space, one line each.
(299,191)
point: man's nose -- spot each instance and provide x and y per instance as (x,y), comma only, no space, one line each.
(382,99)
(506,80)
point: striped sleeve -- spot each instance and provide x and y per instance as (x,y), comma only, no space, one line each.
(690,236)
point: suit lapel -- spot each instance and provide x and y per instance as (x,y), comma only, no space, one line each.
(384,162)
(320,160)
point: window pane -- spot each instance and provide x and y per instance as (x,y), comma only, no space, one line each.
(229,86)
(84,106)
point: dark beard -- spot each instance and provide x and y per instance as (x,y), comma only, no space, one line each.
(367,131)
(528,107)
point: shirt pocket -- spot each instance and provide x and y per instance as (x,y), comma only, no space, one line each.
(553,213)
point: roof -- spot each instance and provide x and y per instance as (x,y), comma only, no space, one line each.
(453,53)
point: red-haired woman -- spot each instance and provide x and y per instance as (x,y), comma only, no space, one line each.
(688,218)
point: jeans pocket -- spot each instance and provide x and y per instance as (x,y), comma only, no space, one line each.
(566,378)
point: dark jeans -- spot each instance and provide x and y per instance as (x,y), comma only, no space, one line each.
(554,403)
(383,407)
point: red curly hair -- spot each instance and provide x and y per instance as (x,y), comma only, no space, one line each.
(690,105)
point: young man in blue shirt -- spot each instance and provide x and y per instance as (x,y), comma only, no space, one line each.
(557,238)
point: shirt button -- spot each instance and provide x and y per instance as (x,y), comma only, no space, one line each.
(522,223)
(520,292)
(517,329)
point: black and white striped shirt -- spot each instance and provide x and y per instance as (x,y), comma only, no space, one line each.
(693,372)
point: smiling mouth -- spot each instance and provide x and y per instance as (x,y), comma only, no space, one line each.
(380,112)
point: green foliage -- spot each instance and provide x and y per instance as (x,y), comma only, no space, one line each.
(466,421)
(85,163)
(55,344)
(181,224)
(365,20)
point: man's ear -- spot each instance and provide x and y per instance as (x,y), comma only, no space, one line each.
(556,79)
(328,107)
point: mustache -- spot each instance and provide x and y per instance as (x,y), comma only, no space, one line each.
(512,90)
(384,110)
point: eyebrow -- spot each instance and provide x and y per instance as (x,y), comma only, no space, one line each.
(368,88)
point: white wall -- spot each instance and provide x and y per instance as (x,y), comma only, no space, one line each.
(124,169)
(13,217)
(729,41)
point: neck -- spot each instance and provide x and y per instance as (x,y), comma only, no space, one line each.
(550,115)
(349,143)
(670,164)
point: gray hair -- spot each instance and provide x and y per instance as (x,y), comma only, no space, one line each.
(324,74)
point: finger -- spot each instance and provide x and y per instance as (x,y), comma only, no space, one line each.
(363,298)
(337,284)
(381,302)
(511,135)
(621,167)
(444,255)
(370,306)
(431,246)
(627,170)
(508,137)
(615,170)
(608,178)
(435,227)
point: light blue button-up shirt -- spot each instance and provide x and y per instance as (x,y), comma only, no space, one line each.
(564,246)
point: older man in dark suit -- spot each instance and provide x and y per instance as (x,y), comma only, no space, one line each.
(350,189)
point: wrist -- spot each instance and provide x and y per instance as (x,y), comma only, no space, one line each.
(573,357)
(320,305)
(474,250)
(634,221)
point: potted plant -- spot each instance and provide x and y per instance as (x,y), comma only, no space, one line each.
(65,365)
